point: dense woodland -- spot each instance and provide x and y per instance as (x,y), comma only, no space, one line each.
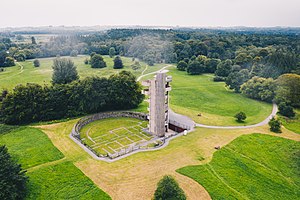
(262,64)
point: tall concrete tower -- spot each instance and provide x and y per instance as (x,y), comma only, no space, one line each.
(158,92)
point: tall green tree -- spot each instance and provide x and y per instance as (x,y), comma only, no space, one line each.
(235,79)
(97,61)
(112,52)
(224,68)
(182,65)
(12,178)
(288,89)
(168,189)
(33,41)
(118,64)
(64,71)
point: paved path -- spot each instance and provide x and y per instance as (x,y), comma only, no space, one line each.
(274,111)
(143,75)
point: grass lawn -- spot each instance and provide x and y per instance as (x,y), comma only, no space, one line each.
(292,124)
(113,134)
(192,95)
(62,181)
(42,75)
(251,167)
(30,146)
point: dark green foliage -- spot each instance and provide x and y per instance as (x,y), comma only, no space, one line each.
(97,61)
(182,65)
(64,71)
(9,61)
(33,41)
(112,52)
(74,53)
(288,89)
(33,103)
(236,79)
(219,79)
(12,178)
(20,57)
(36,63)
(286,110)
(195,67)
(118,64)
(86,61)
(7,128)
(224,68)
(275,125)
(240,117)
(259,88)
(168,189)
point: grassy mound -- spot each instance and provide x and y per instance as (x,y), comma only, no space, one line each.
(251,167)
(192,95)
(30,146)
(62,181)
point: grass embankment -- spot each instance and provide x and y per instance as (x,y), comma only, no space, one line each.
(192,95)
(113,134)
(292,124)
(251,167)
(51,176)
(42,75)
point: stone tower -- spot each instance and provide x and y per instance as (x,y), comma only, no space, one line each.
(158,92)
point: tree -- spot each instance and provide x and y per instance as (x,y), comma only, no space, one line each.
(224,68)
(288,89)
(36,63)
(196,66)
(74,53)
(33,41)
(168,189)
(64,71)
(286,110)
(86,61)
(97,61)
(112,52)
(118,64)
(9,61)
(240,117)
(182,65)
(20,56)
(13,178)
(259,88)
(235,79)
(275,125)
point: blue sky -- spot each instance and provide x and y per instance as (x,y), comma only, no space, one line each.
(207,13)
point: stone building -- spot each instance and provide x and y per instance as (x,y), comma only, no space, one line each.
(158,93)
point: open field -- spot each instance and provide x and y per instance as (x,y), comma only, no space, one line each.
(292,124)
(192,95)
(62,181)
(136,176)
(30,146)
(51,175)
(113,134)
(25,72)
(251,167)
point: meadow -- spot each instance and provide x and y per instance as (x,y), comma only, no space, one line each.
(114,134)
(198,94)
(25,72)
(51,175)
(292,124)
(251,167)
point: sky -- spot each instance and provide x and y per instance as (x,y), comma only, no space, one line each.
(199,13)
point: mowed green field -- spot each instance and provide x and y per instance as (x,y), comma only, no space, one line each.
(30,146)
(251,167)
(192,95)
(51,176)
(292,124)
(113,134)
(25,72)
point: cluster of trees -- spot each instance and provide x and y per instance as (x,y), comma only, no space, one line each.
(33,103)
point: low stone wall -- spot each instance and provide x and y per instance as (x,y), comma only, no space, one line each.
(86,120)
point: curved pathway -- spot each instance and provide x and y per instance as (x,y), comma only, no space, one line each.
(274,111)
(143,75)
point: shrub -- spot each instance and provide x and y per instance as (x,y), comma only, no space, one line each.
(275,125)
(286,110)
(118,64)
(97,61)
(36,63)
(74,53)
(86,61)
(13,178)
(240,117)
(64,71)
(219,79)
(182,65)
(168,189)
